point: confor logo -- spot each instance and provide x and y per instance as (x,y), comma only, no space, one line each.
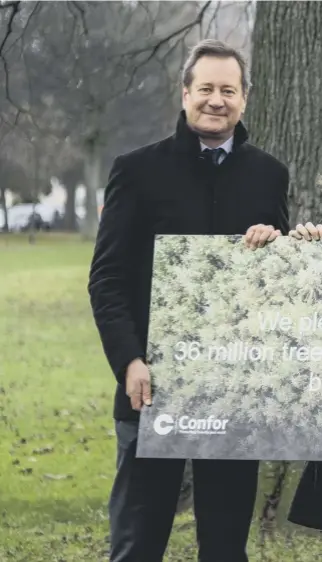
(163,424)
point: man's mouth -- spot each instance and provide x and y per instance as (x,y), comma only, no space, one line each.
(214,114)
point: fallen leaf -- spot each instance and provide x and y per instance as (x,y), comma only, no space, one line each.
(43,450)
(26,471)
(58,476)
(92,404)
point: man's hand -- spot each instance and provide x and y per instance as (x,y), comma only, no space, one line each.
(258,235)
(308,232)
(138,384)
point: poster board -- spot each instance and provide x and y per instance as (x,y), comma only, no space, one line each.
(235,350)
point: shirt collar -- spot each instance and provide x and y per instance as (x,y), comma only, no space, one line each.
(227,146)
(186,139)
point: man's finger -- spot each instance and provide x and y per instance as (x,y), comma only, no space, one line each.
(295,234)
(319,229)
(260,237)
(248,236)
(250,233)
(255,238)
(263,239)
(146,393)
(275,234)
(312,230)
(266,236)
(134,392)
(136,400)
(302,230)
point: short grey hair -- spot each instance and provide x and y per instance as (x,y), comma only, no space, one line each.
(214,48)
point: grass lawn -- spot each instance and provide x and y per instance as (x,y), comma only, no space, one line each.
(57,445)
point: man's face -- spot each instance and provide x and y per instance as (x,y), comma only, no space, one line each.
(214,102)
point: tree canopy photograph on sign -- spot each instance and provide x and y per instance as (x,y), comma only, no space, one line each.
(235,348)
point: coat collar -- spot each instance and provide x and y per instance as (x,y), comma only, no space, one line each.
(186,140)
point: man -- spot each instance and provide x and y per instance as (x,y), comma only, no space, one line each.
(179,186)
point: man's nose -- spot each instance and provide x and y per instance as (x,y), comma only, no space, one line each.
(216,99)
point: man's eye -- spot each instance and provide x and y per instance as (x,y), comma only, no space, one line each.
(205,89)
(228,91)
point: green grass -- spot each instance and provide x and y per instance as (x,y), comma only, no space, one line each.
(56,391)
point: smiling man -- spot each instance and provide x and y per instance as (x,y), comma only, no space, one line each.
(206,178)
(213,107)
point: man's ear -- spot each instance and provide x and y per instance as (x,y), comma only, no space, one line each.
(245,101)
(244,105)
(185,94)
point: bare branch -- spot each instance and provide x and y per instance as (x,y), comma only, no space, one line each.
(128,20)
(213,18)
(35,10)
(185,28)
(154,49)
(13,126)
(15,9)
(8,5)
(151,20)
(238,23)
(82,13)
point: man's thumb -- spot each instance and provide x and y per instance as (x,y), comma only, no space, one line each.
(146,395)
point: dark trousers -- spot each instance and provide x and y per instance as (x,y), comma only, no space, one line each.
(144,499)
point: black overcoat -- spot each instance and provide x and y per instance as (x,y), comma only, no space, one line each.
(306,508)
(168,187)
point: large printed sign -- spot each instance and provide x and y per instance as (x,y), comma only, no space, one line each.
(235,350)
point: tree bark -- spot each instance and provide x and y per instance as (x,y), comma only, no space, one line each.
(35,190)
(70,223)
(284,117)
(185,500)
(3,206)
(284,113)
(92,174)
(273,499)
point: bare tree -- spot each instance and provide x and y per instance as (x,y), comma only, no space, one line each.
(104,59)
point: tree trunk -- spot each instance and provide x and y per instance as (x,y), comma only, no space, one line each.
(92,174)
(35,191)
(185,500)
(70,223)
(3,206)
(284,117)
(273,499)
(284,113)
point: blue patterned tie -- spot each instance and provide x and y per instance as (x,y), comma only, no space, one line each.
(214,154)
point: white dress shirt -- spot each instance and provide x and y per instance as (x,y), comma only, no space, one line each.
(227,146)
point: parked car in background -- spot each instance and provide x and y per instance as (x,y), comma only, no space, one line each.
(50,214)
(22,217)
